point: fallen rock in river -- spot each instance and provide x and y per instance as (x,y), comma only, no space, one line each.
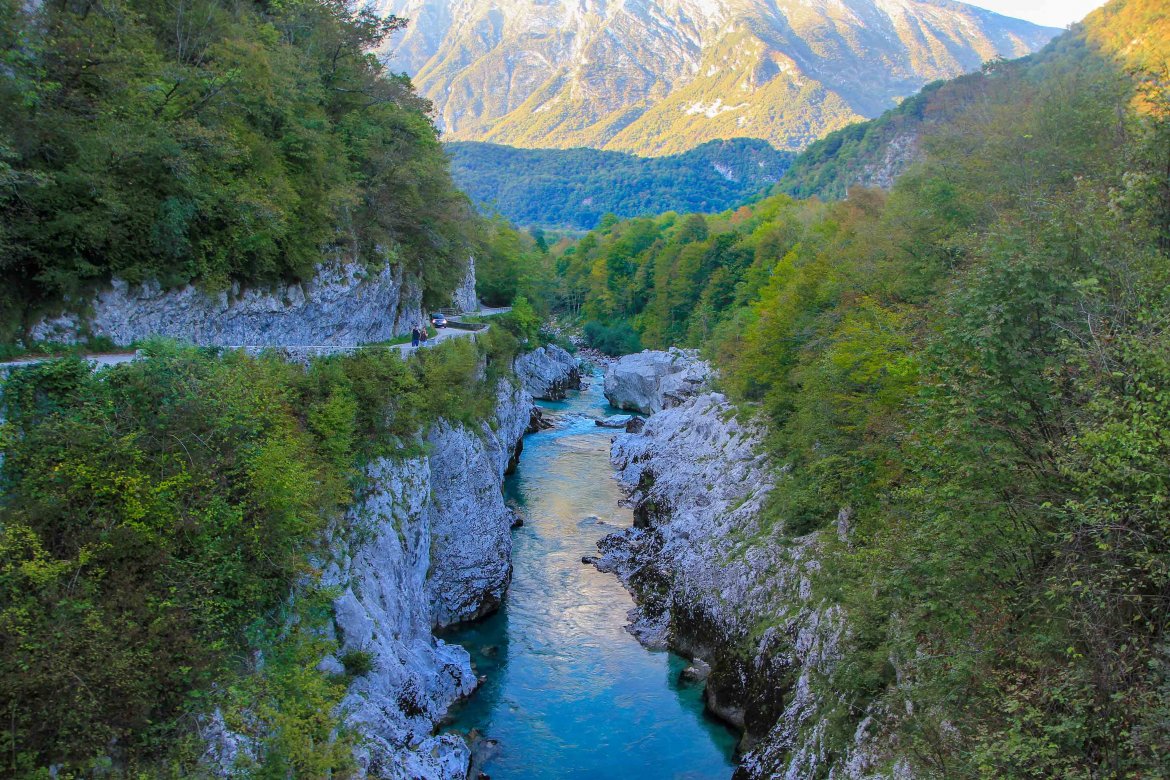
(537,421)
(651,381)
(548,372)
(614,421)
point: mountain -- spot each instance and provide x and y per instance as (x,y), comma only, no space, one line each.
(657,77)
(573,188)
(874,153)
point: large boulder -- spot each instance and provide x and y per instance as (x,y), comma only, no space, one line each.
(652,380)
(548,372)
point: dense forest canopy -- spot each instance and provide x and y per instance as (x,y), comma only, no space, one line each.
(575,188)
(208,141)
(965,378)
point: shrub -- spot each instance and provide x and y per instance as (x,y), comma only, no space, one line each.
(357,662)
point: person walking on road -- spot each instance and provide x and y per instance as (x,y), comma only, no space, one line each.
(414,337)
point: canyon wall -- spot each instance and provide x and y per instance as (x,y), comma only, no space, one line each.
(434,548)
(426,545)
(715,578)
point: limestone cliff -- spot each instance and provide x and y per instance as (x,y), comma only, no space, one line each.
(426,544)
(714,579)
(344,304)
(464,298)
(433,548)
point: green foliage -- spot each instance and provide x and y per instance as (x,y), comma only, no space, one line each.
(672,279)
(156,517)
(972,369)
(357,662)
(523,321)
(211,141)
(573,188)
(617,338)
(510,264)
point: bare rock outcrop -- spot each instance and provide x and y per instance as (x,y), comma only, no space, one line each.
(344,304)
(464,298)
(714,578)
(428,544)
(548,372)
(433,548)
(652,380)
(384,612)
(471,556)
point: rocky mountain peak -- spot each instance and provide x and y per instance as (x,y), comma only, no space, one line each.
(662,76)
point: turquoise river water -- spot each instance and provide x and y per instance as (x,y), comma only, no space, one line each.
(568,693)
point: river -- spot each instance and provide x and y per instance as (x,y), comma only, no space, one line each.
(568,693)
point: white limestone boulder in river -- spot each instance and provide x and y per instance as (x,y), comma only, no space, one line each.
(651,381)
(714,578)
(548,372)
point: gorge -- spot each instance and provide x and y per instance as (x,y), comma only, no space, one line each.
(860,477)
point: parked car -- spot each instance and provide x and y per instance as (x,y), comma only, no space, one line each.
(438,320)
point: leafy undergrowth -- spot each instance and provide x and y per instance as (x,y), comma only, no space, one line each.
(156,529)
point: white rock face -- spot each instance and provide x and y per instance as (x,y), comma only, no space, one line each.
(435,549)
(651,381)
(384,611)
(343,305)
(471,556)
(464,299)
(711,575)
(548,372)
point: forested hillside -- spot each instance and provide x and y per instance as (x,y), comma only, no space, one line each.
(875,153)
(574,188)
(164,526)
(211,141)
(964,379)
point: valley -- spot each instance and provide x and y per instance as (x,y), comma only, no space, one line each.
(831,449)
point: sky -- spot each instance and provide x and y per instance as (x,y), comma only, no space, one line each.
(1054,13)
